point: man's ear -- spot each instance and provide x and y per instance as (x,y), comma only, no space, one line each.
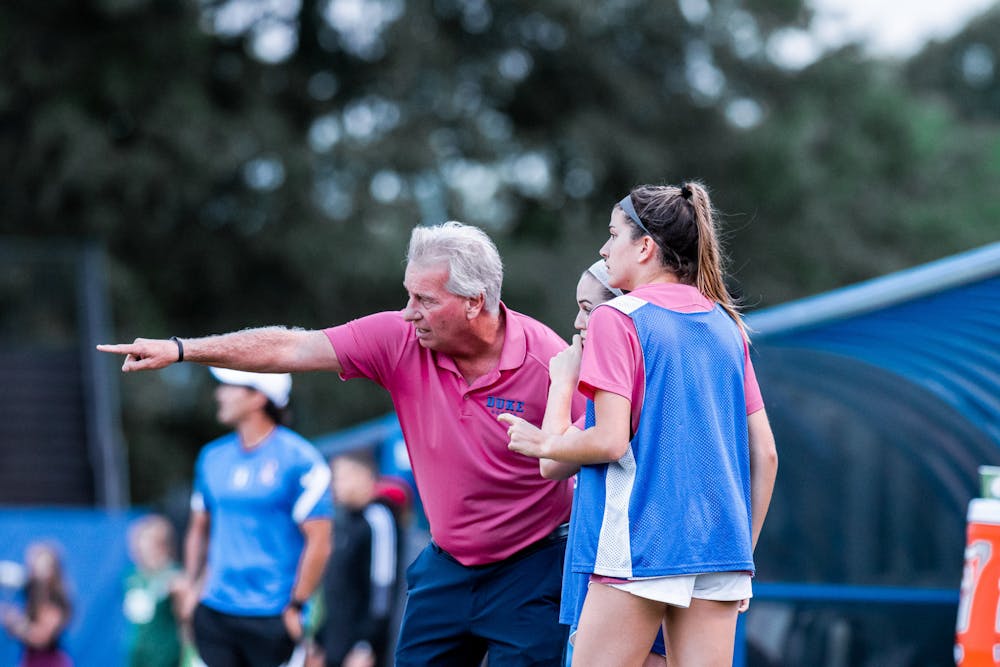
(474,306)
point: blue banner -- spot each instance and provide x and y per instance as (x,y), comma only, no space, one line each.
(95,560)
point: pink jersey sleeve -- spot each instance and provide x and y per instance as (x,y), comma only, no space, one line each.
(751,390)
(578,409)
(612,356)
(612,359)
(370,346)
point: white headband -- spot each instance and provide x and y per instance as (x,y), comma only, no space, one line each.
(600,271)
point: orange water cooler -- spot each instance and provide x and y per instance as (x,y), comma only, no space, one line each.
(977,629)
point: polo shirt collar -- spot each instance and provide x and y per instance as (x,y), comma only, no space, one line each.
(512,355)
(515,346)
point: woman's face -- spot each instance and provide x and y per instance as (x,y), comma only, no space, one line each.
(619,250)
(590,293)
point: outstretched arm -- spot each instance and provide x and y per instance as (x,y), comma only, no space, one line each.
(266,350)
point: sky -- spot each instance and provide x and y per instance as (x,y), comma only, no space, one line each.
(893,28)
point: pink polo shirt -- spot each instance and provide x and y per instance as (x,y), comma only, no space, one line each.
(612,357)
(483,502)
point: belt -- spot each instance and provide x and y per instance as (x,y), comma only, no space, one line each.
(556,536)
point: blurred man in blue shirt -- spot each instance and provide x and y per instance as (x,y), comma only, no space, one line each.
(260,529)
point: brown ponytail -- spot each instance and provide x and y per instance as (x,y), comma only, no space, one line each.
(682,222)
(710,279)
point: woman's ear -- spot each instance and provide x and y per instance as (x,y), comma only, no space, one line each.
(647,248)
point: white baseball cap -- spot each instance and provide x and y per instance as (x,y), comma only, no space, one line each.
(276,386)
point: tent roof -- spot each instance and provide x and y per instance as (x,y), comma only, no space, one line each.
(936,325)
(878,293)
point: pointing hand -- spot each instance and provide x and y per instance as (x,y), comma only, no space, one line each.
(524,438)
(145,354)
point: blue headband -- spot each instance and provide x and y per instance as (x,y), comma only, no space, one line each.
(626,205)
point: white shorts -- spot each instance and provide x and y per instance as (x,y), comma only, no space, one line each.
(681,589)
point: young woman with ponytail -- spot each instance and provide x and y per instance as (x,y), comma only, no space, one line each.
(677,458)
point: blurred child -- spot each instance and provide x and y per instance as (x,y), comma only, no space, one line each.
(148,604)
(47,610)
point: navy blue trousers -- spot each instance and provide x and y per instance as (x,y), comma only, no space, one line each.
(455,614)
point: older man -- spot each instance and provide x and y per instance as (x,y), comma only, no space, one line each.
(452,359)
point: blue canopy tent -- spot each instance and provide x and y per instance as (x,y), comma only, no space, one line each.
(884,398)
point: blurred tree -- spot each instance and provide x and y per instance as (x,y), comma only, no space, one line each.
(853,176)
(254,162)
(965,69)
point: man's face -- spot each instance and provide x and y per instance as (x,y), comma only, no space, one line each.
(440,318)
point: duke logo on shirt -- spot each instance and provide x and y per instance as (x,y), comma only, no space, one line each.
(499,404)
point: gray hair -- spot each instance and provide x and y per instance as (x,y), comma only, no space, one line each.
(474,265)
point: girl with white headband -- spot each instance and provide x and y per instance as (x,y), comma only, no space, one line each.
(592,290)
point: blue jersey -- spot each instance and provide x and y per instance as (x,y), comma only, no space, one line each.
(256,500)
(678,501)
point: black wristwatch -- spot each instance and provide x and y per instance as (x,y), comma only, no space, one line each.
(297,605)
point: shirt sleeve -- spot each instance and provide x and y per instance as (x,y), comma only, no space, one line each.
(384,555)
(751,390)
(578,408)
(611,355)
(313,500)
(370,346)
(199,491)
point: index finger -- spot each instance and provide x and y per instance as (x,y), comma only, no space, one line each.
(119,348)
(507,418)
